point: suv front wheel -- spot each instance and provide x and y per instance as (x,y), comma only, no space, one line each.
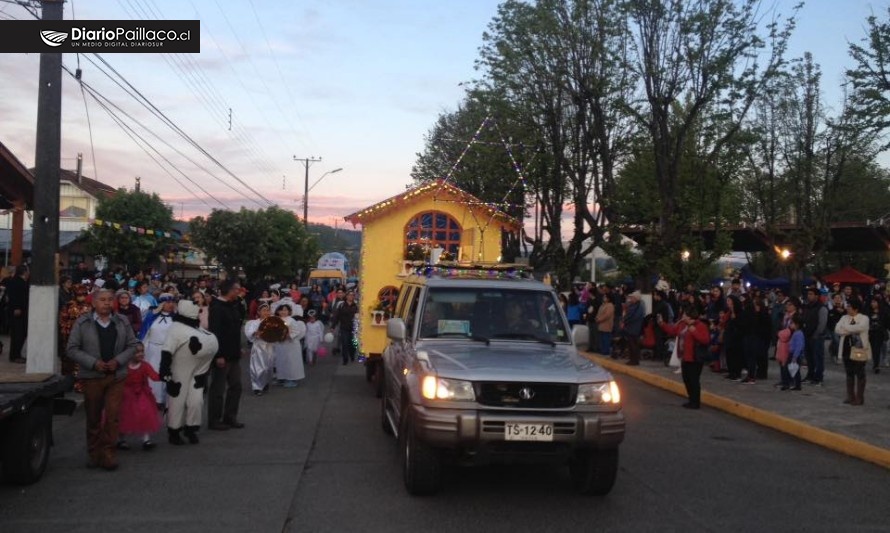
(421,464)
(594,471)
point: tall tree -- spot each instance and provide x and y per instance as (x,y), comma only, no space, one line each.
(266,242)
(870,78)
(562,62)
(130,248)
(701,71)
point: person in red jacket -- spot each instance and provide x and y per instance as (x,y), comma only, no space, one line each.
(689,331)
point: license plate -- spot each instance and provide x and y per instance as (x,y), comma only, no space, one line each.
(533,432)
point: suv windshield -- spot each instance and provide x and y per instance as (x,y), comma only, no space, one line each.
(486,313)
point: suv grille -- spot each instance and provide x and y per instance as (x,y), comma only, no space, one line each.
(526,395)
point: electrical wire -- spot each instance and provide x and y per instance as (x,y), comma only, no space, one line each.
(105,101)
(148,104)
(134,135)
(199,84)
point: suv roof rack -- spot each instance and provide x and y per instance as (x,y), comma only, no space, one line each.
(474,270)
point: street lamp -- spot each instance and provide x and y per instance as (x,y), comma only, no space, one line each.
(306,193)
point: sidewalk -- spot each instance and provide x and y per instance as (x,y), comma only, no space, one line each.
(815,414)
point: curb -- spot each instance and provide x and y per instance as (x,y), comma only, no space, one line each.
(821,437)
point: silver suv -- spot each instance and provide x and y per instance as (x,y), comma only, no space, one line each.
(483,369)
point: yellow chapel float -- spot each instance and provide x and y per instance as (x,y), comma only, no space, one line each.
(432,223)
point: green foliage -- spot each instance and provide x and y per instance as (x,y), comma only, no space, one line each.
(127,248)
(267,242)
(870,78)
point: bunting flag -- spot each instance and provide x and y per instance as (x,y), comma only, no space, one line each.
(122,228)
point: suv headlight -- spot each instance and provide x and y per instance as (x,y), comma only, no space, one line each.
(436,388)
(598,394)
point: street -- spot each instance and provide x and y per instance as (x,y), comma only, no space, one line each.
(314,459)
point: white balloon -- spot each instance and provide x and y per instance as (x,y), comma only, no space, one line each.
(329,337)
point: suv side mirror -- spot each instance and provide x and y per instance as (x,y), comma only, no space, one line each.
(581,336)
(396,330)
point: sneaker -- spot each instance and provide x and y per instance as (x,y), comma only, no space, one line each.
(123,445)
(257,393)
(748,381)
(290,384)
(784,387)
(148,445)
(795,388)
(735,379)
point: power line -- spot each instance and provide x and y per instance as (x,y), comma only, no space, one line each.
(257,72)
(105,100)
(148,104)
(133,135)
(191,73)
(278,68)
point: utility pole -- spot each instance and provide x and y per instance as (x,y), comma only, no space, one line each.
(44,293)
(307,161)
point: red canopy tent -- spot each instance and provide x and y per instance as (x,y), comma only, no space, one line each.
(850,276)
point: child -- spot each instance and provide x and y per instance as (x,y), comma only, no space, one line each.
(791,368)
(314,336)
(288,354)
(262,353)
(139,414)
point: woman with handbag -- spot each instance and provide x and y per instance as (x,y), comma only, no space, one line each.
(854,350)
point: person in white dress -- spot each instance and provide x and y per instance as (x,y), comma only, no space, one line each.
(153,336)
(289,354)
(262,353)
(314,336)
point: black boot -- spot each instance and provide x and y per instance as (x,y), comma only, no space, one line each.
(174,437)
(191,433)
(851,394)
(860,390)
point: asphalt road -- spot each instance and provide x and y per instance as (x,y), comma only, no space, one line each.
(314,459)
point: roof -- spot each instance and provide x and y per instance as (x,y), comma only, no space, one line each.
(94,188)
(434,189)
(65,238)
(16,181)
(850,275)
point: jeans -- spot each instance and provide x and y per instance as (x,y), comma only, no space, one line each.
(347,347)
(692,380)
(751,347)
(18,332)
(605,338)
(102,395)
(225,392)
(815,349)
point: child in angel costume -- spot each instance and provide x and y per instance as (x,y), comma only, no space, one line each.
(314,336)
(263,333)
(153,335)
(289,353)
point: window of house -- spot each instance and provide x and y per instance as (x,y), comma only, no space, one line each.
(431,229)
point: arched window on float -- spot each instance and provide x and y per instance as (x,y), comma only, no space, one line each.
(429,230)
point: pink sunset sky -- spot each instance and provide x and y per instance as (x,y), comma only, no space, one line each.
(355,82)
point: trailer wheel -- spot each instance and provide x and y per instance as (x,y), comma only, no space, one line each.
(26,447)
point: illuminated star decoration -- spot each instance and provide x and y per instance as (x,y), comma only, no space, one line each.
(487,124)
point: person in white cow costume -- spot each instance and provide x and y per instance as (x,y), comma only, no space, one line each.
(185,362)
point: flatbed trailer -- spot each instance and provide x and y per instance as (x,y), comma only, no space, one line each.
(27,405)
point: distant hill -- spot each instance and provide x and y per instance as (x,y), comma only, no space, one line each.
(346,241)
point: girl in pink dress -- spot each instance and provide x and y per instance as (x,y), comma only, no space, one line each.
(139,413)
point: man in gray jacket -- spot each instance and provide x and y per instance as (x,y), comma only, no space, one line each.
(102,342)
